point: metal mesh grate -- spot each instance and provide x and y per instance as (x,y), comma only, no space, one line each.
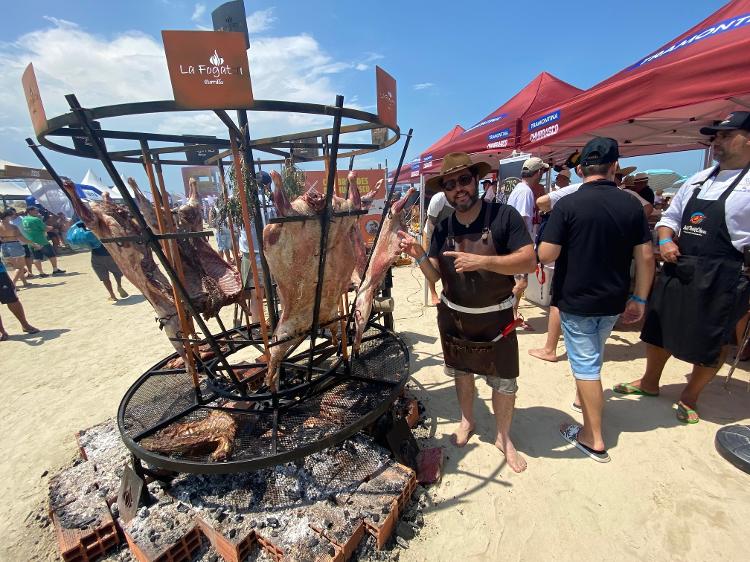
(303,426)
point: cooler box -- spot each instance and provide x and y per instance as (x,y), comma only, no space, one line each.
(539,290)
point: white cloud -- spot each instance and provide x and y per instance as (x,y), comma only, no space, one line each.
(260,21)
(423,85)
(361,66)
(198,12)
(131,66)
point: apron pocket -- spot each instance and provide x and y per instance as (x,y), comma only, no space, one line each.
(482,358)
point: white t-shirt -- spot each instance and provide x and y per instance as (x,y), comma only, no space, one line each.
(737,205)
(522,198)
(439,208)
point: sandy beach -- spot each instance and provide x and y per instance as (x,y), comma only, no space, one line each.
(666,495)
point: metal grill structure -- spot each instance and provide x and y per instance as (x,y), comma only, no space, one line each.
(325,394)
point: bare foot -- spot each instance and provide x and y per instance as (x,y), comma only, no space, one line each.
(514,458)
(543,354)
(3,335)
(123,294)
(29,329)
(462,435)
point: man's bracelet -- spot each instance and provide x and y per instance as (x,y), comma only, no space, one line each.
(421,258)
(665,241)
(638,299)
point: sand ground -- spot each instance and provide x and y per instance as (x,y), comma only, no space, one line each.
(666,495)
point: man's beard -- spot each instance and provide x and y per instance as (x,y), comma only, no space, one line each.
(466,205)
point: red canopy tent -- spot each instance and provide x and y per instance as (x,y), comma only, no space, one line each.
(411,171)
(499,131)
(659,103)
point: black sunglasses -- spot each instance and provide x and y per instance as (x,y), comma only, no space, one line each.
(463,181)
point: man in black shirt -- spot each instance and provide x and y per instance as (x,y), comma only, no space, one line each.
(592,236)
(475,253)
(641,187)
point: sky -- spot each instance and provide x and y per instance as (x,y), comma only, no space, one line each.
(454,63)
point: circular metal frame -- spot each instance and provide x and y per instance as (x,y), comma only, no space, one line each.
(185,403)
(66,125)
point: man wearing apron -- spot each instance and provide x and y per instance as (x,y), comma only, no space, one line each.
(475,253)
(702,291)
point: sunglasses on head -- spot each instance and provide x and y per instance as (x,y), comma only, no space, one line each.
(463,180)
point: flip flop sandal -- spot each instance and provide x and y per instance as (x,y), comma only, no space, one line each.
(570,431)
(626,388)
(684,413)
(3,337)
(576,408)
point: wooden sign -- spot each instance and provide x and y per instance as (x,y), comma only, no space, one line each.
(34,100)
(230,16)
(386,92)
(208,69)
(129,496)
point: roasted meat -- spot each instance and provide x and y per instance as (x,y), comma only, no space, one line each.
(215,433)
(386,252)
(292,250)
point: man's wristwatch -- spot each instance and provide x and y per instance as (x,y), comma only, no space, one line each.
(421,258)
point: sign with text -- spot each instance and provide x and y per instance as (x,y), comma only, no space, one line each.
(379,135)
(20,172)
(386,92)
(198,157)
(34,100)
(208,69)
(306,151)
(366,183)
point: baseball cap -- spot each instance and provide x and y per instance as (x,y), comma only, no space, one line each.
(533,164)
(600,150)
(735,120)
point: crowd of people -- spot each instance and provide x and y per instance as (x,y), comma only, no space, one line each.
(690,284)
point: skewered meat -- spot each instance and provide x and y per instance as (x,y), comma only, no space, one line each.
(384,254)
(110,220)
(210,281)
(292,250)
(214,432)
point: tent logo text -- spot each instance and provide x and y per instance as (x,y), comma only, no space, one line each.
(721,27)
(486,122)
(545,120)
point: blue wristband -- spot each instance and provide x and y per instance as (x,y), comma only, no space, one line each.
(638,299)
(665,241)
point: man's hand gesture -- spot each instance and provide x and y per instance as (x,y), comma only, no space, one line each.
(634,311)
(408,245)
(464,262)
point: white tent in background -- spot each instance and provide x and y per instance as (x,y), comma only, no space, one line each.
(13,190)
(95,181)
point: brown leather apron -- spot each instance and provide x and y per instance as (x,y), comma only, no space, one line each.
(467,338)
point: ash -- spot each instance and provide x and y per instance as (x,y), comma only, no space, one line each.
(162,524)
(259,555)
(75,498)
(102,443)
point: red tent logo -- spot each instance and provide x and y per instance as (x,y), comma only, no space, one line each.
(697,218)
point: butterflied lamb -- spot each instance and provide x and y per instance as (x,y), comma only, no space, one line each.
(292,250)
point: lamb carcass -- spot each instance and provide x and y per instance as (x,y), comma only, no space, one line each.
(107,219)
(292,250)
(210,281)
(384,254)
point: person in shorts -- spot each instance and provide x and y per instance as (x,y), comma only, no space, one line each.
(12,243)
(592,235)
(35,229)
(9,298)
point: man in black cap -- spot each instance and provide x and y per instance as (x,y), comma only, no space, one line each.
(592,235)
(701,292)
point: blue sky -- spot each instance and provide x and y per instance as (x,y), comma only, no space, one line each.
(454,63)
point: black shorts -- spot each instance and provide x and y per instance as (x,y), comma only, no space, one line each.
(26,251)
(7,289)
(103,266)
(47,251)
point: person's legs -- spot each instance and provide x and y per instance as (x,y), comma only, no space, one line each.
(256,302)
(122,292)
(38,265)
(108,285)
(699,378)
(435,299)
(656,358)
(17,309)
(503,403)
(20,275)
(465,394)
(584,339)
(549,351)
